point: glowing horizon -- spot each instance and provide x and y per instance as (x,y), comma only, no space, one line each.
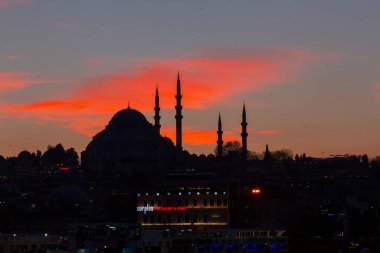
(314,88)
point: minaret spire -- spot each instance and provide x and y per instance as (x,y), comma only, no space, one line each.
(157,116)
(267,153)
(220,138)
(244,134)
(178,115)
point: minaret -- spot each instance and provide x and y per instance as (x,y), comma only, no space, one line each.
(267,153)
(220,139)
(157,116)
(178,115)
(244,135)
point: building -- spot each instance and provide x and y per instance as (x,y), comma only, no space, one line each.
(104,237)
(183,207)
(130,144)
(32,243)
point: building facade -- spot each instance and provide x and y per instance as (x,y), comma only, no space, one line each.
(194,207)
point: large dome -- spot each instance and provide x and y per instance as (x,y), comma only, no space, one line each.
(128,117)
(127,142)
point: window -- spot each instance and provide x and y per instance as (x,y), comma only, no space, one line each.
(195,218)
(168,202)
(179,202)
(211,202)
(152,219)
(205,202)
(145,219)
(159,202)
(152,202)
(179,219)
(187,218)
(205,218)
(169,219)
(159,218)
(195,202)
(145,202)
(186,202)
(218,202)
(225,202)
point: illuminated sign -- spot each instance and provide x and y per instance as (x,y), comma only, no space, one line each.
(170,208)
(145,209)
(159,208)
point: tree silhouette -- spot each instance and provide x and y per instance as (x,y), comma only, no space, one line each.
(56,157)
(233,149)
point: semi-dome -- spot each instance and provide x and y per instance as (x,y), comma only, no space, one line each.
(67,195)
(128,117)
(24,155)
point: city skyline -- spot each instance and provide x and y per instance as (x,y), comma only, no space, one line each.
(313,89)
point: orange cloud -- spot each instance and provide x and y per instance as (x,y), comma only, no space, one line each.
(267,132)
(206,80)
(12,81)
(198,136)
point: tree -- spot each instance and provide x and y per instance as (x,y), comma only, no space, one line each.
(71,159)
(233,149)
(229,148)
(365,161)
(56,157)
(282,155)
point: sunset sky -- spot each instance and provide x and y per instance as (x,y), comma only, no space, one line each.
(308,71)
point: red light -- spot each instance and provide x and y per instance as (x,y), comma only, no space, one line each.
(64,169)
(256,191)
(170,208)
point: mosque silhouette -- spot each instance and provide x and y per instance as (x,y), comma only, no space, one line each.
(130,140)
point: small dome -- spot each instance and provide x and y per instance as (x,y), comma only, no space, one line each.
(128,117)
(24,155)
(67,195)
